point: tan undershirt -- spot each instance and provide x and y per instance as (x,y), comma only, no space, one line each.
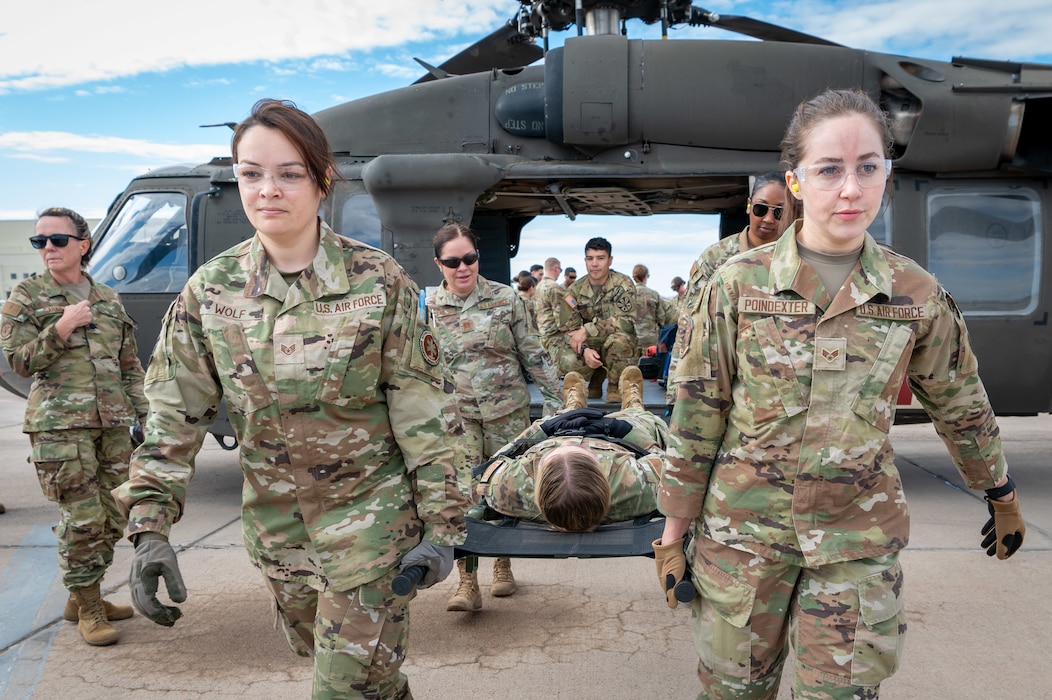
(833,270)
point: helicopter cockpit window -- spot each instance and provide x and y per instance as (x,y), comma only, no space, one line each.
(145,249)
(358,220)
(984,245)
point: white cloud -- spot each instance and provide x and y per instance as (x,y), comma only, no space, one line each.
(44,144)
(937,29)
(110,39)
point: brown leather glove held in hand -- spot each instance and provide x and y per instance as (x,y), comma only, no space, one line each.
(671,565)
(1003,532)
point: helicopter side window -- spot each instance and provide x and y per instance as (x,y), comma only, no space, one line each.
(880,229)
(145,248)
(357,219)
(984,246)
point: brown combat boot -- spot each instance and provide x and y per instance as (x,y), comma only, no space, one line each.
(575,392)
(93,625)
(468,596)
(631,386)
(595,384)
(113,612)
(503,580)
(613,393)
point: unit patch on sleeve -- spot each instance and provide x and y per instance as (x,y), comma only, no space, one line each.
(429,348)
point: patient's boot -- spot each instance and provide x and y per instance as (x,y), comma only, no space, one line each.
(631,385)
(575,392)
(468,596)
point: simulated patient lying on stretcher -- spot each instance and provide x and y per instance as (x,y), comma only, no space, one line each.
(581,468)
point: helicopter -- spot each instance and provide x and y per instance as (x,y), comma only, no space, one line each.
(606,124)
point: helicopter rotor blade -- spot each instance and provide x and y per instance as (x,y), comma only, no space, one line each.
(753,27)
(504,48)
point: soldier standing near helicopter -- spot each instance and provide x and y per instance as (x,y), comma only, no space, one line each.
(780,464)
(335,390)
(73,336)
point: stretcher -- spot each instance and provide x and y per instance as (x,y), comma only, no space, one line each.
(497,535)
(502,536)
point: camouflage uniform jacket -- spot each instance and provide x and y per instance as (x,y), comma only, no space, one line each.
(335,395)
(654,312)
(700,274)
(92,380)
(508,483)
(547,299)
(705,266)
(487,338)
(779,437)
(611,310)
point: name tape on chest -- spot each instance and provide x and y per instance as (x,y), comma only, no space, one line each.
(494,303)
(775,307)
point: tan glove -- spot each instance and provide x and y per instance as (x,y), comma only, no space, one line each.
(671,565)
(1004,531)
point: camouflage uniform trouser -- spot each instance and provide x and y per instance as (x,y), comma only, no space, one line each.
(77,469)
(848,623)
(482,439)
(617,351)
(358,637)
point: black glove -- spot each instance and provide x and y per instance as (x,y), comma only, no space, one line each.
(1003,532)
(155,558)
(437,559)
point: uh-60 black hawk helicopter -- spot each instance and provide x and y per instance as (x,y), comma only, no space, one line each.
(619,126)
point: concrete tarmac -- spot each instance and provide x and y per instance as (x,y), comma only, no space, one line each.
(583,629)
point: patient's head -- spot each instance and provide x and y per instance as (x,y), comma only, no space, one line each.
(571,490)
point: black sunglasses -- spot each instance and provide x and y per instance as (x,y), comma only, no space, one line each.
(59,240)
(760,210)
(454,263)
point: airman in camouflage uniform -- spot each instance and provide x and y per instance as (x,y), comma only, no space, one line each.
(653,313)
(335,389)
(489,338)
(87,393)
(780,462)
(607,315)
(546,302)
(700,274)
(508,482)
(581,468)
(768,190)
(335,394)
(800,440)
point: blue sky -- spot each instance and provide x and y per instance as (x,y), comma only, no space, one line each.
(92,94)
